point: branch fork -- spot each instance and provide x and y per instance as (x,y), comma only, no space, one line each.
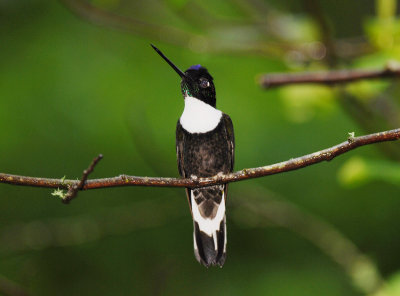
(73,186)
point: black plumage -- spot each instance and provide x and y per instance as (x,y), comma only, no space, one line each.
(207,153)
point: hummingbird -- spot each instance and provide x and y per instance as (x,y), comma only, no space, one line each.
(205,147)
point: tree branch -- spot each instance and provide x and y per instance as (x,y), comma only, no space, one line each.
(73,190)
(286,166)
(327,77)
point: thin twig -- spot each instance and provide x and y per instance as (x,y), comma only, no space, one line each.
(73,190)
(286,166)
(327,77)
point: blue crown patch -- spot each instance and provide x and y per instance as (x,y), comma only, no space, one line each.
(195,67)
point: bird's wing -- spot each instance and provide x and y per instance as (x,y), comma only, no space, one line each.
(180,143)
(231,145)
(231,139)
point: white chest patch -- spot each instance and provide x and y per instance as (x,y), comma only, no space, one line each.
(199,117)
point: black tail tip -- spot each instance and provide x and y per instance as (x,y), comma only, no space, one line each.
(205,250)
(208,261)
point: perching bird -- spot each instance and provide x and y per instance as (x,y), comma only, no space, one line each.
(205,147)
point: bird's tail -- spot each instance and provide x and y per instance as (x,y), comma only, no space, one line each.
(209,235)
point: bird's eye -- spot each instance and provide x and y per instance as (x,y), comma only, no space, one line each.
(204,83)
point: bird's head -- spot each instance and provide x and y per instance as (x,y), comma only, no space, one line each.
(196,81)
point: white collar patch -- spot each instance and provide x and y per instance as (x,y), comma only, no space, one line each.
(199,117)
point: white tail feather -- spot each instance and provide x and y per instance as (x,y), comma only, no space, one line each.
(207,225)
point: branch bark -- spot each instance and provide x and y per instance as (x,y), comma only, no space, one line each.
(286,166)
(73,190)
(327,77)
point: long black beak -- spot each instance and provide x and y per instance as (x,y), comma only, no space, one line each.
(177,70)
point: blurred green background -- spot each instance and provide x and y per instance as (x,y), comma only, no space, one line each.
(79,78)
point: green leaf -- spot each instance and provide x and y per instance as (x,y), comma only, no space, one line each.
(386,9)
(304,102)
(391,287)
(358,171)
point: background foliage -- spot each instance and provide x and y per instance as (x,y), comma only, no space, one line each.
(70,89)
